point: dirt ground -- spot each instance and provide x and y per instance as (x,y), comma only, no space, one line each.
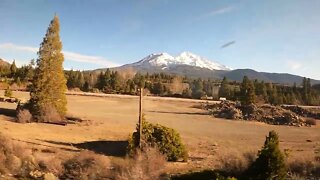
(113,118)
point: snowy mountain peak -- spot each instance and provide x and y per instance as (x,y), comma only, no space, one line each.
(165,60)
(188,54)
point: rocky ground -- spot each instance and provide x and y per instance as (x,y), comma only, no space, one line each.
(276,115)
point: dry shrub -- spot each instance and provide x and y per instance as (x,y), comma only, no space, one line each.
(24,116)
(86,165)
(146,164)
(14,158)
(304,167)
(49,163)
(234,164)
(311,121)
(49,114)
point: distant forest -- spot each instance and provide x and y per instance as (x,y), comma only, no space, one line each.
(160,84)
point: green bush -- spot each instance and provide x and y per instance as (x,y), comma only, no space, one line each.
(270,163)
(167,140)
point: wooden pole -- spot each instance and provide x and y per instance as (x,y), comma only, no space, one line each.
(140,116)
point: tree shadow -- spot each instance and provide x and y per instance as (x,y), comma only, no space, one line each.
(108,148)
(8,112)
(38,144)
(187,113)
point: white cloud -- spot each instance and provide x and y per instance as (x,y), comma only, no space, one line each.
(71,56)
(19,48)
(294,65)
(215,12)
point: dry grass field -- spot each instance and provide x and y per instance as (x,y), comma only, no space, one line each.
(111,119)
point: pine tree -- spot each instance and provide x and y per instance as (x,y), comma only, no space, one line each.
(270,163)
(101,82)
(197,89)
(13,68)
(224,90)
(49,82)
(247,91)
(274,97)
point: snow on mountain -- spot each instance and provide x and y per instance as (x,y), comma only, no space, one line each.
(165,60)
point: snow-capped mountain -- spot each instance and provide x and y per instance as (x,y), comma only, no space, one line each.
(165,60)
(194,66)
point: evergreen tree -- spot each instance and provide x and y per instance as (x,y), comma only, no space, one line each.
(247,91)
(263,91)
(18,81)
(115,81)
(270,163)
(187,93)
(306,91)
(224,90)
(13,68)
(49,82)
(86,86)
(80,79)
(101,81)
(139,80)
(274,98)
(197,89)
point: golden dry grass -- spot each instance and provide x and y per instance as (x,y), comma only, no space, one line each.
(114,117)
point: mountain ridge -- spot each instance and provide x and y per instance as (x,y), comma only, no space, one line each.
(185,64)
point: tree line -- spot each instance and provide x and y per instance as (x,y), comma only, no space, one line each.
(161,84)
(265,92)
(248,91)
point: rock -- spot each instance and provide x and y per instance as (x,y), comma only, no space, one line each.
(49,176)
(36,174)
(264,113)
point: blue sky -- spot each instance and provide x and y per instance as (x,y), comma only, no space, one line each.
(270,36)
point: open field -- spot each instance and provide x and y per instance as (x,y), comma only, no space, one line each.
(113,118)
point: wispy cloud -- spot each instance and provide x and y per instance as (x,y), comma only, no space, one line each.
(18,47)
(215,12)
(294,65)
(71,56)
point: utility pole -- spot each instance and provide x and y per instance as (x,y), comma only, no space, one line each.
(140,115)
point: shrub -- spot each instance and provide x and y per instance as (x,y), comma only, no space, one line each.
(86,165)
(14,158)
(167,140)
(270,163)
(203,175)
(235,164)
(8,92)
(311,121)
(95,90)
(49,114)
(145,164)
(304,167)
(24,116)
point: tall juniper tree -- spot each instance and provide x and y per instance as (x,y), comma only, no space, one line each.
(270,163)
(49,82)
